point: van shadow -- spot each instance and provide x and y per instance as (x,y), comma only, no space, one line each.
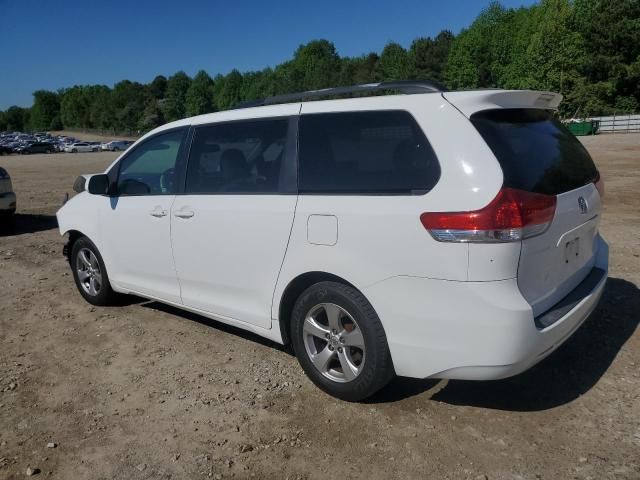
(566,374)
(223,327)
(22,223)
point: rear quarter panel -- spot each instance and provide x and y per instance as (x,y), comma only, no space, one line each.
(379,237)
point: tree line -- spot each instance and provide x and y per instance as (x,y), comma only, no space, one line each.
(588,50)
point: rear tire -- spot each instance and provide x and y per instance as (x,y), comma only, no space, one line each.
(340,342)
(90,273)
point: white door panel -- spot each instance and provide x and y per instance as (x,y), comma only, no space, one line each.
(136,225)
(136,231)
(228,251)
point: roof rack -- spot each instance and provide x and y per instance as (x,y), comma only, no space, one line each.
(404,86)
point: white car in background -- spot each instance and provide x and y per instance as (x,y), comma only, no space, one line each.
(115,146)
(7,196)
(79,147)
(436,234)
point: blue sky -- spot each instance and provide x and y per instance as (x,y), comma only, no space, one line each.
(50,45)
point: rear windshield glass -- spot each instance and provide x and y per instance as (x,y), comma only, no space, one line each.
(360,153)
(536,152)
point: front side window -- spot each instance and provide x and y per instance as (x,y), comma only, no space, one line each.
(237,157)
(382,152)
(151,168)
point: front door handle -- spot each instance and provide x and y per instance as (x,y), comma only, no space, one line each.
(158,212)
(184,214)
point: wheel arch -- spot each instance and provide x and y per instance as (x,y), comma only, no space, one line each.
(294,289)
(73,237)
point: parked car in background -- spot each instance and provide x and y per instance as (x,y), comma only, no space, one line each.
(37,147)
(95,146)
(7,196)
(79,147)
(115,145)
(436,234)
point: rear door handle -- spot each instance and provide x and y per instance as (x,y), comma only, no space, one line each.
(184,214)
(158,212)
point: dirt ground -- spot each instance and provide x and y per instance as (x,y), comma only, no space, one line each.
(145,391)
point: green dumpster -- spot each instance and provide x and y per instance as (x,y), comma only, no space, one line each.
(588,127)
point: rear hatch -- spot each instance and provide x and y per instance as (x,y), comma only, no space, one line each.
(539,155)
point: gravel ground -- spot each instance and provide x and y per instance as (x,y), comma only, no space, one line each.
(146,391)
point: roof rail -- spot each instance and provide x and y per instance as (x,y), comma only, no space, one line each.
(404,86)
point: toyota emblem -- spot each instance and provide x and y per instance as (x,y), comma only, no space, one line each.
(582,203)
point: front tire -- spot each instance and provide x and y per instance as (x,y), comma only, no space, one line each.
(340,342)
(90,273)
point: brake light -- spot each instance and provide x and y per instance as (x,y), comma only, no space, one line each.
(512,216)
(599,183)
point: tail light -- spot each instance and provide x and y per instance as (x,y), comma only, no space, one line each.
(512,216)
(599,183)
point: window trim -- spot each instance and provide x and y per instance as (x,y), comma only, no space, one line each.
(418,193)
(288,181)
(180,164)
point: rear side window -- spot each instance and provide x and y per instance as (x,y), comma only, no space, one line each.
(238,157)
(536,152)
(382,152)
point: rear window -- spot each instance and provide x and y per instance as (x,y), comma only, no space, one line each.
(382,152)
(536,152)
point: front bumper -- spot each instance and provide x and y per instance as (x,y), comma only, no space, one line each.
(472,330)
(7,202)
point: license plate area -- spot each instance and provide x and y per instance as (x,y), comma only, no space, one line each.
(572,251)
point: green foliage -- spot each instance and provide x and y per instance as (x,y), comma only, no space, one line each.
(394,63)
(585,49)
(316,65)
(128,100)
(158,87)
(152,115)
(428,57)
(90,106)
(199,96)
(358,70)
(474,54)
(588,50)
(228,90)
(555,52)
(45,109)
(611,69)
(175,97)
(16,118)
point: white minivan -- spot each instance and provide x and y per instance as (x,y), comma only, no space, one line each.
(426,233)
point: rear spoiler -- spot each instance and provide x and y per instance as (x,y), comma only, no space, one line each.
(472,101)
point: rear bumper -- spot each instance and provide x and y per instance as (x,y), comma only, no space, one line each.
(474,330)
(7,202)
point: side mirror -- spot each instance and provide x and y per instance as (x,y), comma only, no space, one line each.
(98,185)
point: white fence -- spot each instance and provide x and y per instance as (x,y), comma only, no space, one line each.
(618,123)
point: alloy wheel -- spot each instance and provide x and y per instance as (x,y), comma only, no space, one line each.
(334,342)
(89,274)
